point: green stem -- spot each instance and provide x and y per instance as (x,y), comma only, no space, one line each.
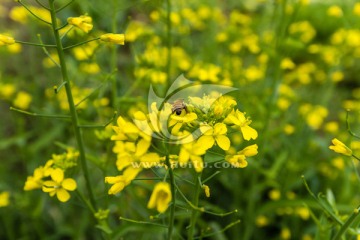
(73,113)
(36,44)
(194,213)
(81,43)
(113,59)
(172,189)
(347,224)
(169,42)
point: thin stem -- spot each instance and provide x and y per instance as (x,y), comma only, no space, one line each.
(36,44)
(48,54)
(347,224)
(220,231)
(113,60)
(64,25)
(73,113)
(42,5)
(28,9)
(172,189)
(102,125)
(81,43)
(169,42)
(348,126)
(194,213)
(142,222)
(61,8)
(40,114)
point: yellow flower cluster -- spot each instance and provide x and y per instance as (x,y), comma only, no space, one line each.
(50,177)
(194,127)
(83,22)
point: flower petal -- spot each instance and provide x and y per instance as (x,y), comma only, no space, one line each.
(249,133)
(141,147)
(206,141)
(57,175)
(197,162)
(220,129)
(62,195)
(223,142)
(69,184)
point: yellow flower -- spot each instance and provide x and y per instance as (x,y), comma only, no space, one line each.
(334,11)
(261,221)
(59,186)
(22,100)
(121,181)
(179,121)
(237,160)
(160,197)
(6,40)
(206,190)
(356,9)
(340,147)
(4,199)
(238,118)
(192,151)
(83,22)
(125,130)
(249,151)
(212,134)
(113,38)
(136,155)
(35,181)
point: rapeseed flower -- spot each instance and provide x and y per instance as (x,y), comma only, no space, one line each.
(59,186)
(340,147)
(4,199)
(83,22)
(192,151)
(160,197)
(238,119)
(121,181)
(113,38)
(36,181)
(183,119)
(214,134)
(6,40)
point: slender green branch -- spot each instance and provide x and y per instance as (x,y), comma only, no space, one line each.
(28,9)
(42,5)
(169,41)
(61,8)
(36,44)
(173,197)
(81,43)
(357,158)
(347,224)
(113,60)
(348,126)
(40,114)
(211,176)
(81,196)
(48,54)
(100,126)
(58,88)
(89,95)
(194,213)
(220,231)
(73,113)
(63,26)
(65,33)
(142,222)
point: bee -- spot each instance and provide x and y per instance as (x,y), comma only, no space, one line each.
(178,106)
